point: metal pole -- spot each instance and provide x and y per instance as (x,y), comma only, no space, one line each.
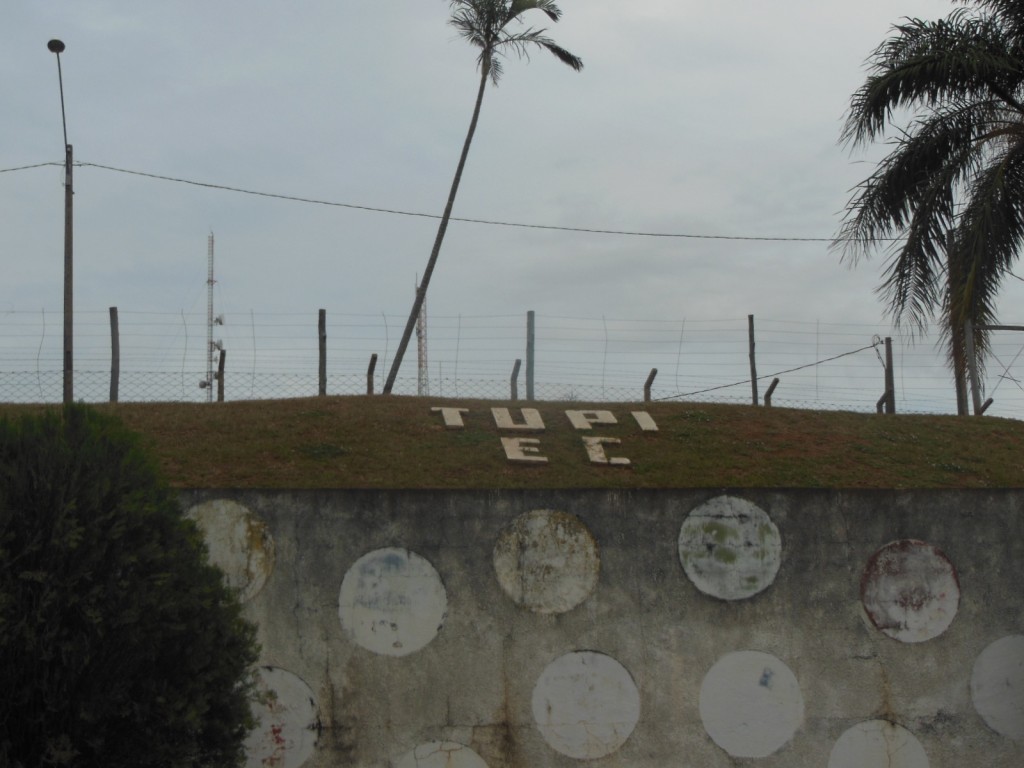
(69,261)
(753,362)
(972,366)
(953,281)
(57,47)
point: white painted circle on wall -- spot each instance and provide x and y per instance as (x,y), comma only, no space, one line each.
(440,754)
(877,744)
(392,602)
(750,703)
(238,543)
(997,686)
(910,591)
(287,721)
(547,561)
(730,548)
(586,705)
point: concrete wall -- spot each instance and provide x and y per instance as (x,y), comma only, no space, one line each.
(643,629)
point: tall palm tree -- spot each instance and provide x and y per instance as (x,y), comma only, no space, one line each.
(949,194)
(495,27)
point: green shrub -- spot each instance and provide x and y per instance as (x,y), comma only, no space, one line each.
(120,645)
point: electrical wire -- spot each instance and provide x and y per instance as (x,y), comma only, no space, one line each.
(1006,372)
(418,214)
(873,345)
(489,222)
(27,167)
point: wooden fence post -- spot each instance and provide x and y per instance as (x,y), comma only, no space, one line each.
(322,333)
(369,373)
(115,355)
(515,379)
(770,392)
(753,363)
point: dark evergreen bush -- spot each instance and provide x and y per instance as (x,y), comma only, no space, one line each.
(119,644)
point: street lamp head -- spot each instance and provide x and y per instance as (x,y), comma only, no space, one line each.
(57,46)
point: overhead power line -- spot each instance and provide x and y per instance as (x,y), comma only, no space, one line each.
(417,214)
(489,222)
(34,165)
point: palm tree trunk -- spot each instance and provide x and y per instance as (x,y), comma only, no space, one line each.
(421,292)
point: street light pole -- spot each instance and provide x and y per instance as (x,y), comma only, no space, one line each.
(57,47)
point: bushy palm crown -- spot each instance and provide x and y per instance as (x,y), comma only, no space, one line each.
(486,24)
(957,165)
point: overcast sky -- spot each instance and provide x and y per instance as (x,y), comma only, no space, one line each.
(690,117)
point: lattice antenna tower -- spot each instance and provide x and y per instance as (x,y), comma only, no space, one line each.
(213,348)
(423,376)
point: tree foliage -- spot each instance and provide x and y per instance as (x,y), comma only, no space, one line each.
(487,24)
(948,96)
(496,28)
(120,645)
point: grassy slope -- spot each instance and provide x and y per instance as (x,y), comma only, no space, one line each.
(397,442)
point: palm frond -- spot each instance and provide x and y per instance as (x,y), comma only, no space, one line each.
(521,42)
(569,59)
(921,170)
(991,229)
(912,193)
(549,7)
(469,23)
(928,63)
(1009,13)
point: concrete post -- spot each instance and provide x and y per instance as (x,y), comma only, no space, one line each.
(753,362)
(322,334)
(530,349)
(115,355)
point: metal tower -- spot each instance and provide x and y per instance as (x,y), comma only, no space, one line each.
(213,348)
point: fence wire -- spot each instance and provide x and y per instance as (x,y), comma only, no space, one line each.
(164,357)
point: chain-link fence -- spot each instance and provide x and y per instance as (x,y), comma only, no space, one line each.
(163,357)
(165,386)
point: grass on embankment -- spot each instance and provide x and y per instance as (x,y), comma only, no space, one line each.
(398,442)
